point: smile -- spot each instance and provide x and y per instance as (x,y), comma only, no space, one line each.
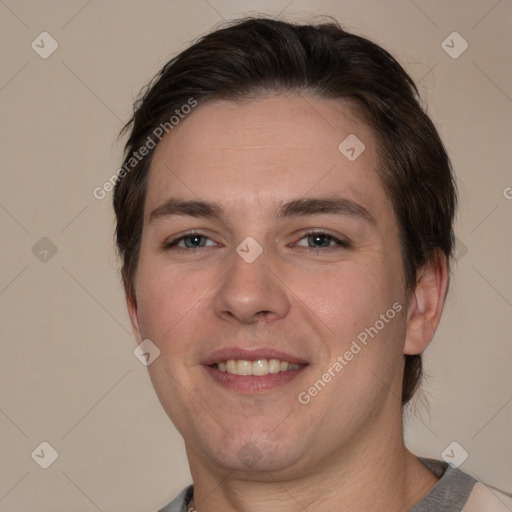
(259,368)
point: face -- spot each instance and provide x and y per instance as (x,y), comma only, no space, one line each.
(268,256)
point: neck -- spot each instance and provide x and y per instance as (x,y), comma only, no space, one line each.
(380,476)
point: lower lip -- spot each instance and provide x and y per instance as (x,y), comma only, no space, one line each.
(249,384)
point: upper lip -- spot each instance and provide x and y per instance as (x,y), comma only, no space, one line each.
(252,354)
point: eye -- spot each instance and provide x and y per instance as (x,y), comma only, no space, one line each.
(191,241)
(320,240)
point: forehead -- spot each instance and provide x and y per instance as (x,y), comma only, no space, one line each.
(269,148)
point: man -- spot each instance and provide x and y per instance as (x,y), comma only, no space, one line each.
(284,215)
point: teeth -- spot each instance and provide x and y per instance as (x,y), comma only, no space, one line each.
(274,366)
(243,367)
(259,368)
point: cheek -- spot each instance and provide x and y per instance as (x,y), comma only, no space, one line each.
(350,299)
(362,307)
(170,302)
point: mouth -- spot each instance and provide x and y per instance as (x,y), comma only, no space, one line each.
(253,371)
(258,368)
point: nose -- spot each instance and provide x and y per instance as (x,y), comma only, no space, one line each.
(251,292)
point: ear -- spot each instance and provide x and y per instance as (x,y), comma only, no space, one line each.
(131,304)
(426,305)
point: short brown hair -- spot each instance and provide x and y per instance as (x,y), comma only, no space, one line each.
(255,56)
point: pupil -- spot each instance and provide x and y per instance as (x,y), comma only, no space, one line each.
(193,241)
(319,240)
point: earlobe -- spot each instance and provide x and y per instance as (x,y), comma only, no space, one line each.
(131,304)
(426,305)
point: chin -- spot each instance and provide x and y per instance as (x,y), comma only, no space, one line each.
(255,454)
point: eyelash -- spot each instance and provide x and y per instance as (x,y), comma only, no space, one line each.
(175,243)
(341,243)
(344,244)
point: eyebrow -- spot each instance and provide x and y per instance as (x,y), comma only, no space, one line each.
(295,208)
(191,208)
(325,205)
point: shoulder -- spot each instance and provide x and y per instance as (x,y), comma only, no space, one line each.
(485,498)
(456,491)
(180,502)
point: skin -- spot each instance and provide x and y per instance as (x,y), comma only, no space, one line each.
(344,450)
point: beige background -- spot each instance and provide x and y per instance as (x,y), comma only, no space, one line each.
(68,375)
